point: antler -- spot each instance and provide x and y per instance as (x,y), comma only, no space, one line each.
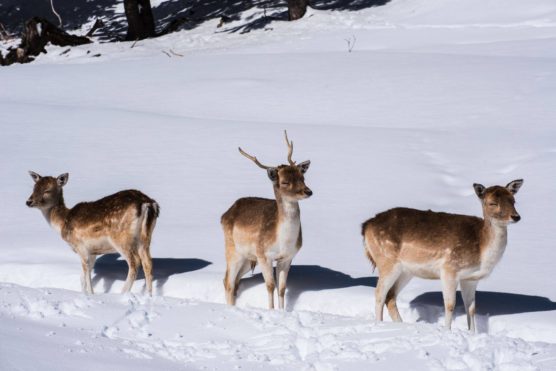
(290,148)
(254,159)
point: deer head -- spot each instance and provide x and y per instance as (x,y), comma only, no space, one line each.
(47,191)
(499,202)
(288,180)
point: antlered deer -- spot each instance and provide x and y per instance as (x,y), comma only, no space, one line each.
(261,231)
(457,249)
(122,223)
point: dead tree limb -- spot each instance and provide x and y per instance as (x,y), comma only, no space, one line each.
(55,12)
(37,34)
(4,34)
(98,24)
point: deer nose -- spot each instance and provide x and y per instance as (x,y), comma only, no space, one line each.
(516,218)
(29,202)
(308,192)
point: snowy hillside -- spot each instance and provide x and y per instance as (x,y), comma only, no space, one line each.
(435,95)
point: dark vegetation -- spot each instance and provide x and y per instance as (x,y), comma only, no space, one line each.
(138,20)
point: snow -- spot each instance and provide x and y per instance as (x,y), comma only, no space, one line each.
(435,95)
(142,332)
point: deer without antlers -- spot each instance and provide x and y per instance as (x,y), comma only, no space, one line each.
(122,223)
(457,249)
(261,231)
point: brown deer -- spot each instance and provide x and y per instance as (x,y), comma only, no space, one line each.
(457,249)
(261,231)
(122,223)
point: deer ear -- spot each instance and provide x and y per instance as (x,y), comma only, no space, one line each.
(514,186)
(62,179)
(304,166)
(272,174)
(36,177)
(479,190)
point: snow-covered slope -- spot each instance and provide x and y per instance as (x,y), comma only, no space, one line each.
(436,95)
(166,333)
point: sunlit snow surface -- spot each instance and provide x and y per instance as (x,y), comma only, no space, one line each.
(436,95)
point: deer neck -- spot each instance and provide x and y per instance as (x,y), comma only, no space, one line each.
(288,211)
(56,215)
(494,237)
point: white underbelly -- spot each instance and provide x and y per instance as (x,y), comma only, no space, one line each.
(476,273)
(428,270)
(282,251)
(97,246)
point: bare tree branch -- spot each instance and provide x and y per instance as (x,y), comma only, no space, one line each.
(351,43)
(55,12)
(176,54)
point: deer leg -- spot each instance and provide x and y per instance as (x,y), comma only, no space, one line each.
(449,287)
(393,294)
(232,271)
(86,285)
(386,279)
(246,267)
(282,269)
(91,259)
(83,270)
(86,265)
(147,264)
(268,275)
(468,289)
(133,263)
(144,250)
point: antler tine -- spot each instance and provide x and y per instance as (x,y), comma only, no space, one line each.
(290,148)
(254,159)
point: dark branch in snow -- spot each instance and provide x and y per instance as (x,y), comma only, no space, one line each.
(98,24)
(37,34)
(351,43)
(4,34)
(176,54)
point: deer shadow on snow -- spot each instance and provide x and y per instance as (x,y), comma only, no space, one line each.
(302,278)
(430,306)
(111,268)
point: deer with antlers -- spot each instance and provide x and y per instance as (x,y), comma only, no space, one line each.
(261,231)
(457,249)
(122,223)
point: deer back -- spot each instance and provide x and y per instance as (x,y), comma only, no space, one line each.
(420,236)
(114,216)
